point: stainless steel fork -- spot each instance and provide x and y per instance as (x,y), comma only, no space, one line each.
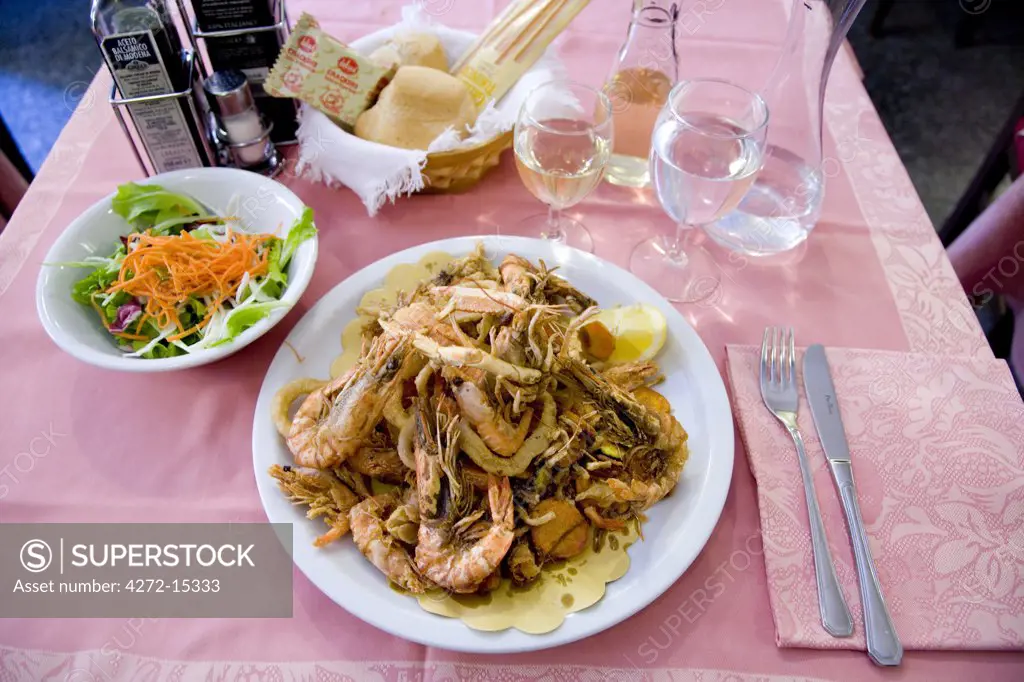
(780,394)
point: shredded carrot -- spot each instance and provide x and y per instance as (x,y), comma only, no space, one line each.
(99,311)
(131,337)
(142,320)
(167,271)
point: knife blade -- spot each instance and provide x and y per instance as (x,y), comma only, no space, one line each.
(821,394)
(883,643)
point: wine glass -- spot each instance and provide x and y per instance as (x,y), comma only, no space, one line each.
(562,140)
(707,148)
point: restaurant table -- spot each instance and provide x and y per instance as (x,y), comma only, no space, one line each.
(80,444)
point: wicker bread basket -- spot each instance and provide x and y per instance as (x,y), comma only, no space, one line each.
(456,170)
(460,169)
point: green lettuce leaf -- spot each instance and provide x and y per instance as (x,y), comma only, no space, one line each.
(160,350)
(243,318)
(147,205)
(98,280)
(301,230)
(274,282)
(104,273)
(197,307)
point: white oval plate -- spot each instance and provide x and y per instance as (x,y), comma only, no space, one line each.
(678,528)
(267,206)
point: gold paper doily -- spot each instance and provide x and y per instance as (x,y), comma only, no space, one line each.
(542,606)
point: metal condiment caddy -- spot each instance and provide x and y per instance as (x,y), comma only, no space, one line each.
(189,95)
(281,27)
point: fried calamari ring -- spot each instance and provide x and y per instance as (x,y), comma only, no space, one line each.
(284,398)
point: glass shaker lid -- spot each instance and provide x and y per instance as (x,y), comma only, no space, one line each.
(228,92)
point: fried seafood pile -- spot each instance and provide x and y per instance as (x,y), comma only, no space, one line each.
(503,443)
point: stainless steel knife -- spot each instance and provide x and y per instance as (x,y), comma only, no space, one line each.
(883,644)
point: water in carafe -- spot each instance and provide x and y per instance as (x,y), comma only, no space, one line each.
(784,203)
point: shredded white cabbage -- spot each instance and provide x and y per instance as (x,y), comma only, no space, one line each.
(152,344)
(242,284)
(108,298)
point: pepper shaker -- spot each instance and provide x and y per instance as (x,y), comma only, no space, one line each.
(241,132)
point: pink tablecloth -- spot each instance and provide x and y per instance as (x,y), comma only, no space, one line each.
(873,275)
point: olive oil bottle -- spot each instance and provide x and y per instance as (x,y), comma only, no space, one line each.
(141,47)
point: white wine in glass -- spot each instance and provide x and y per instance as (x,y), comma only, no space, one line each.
(562,144)
(558,168)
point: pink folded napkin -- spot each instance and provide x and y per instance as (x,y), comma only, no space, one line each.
(937,445)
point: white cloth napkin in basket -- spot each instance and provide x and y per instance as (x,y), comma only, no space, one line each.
(379,173)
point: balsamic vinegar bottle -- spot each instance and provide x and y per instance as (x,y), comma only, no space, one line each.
(141,47)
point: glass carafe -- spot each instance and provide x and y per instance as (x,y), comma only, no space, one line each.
(784,203)
(644,72)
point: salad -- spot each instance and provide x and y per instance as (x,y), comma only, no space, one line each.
(184,279)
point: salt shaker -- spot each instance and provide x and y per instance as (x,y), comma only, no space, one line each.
(240,130)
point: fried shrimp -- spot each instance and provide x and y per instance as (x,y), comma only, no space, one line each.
(473,265)
(518,275)
(477,299)
(642,494)
(500,435)
(427,455)
(421,317)
(673,464)
(383,464)
(477,438)
(368,520)
(309,439)
(460,356)
(632,375)
(335,420)
(538,441)
(508,345)
(461,567)
(326,496)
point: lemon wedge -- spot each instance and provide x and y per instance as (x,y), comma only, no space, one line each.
(639,330)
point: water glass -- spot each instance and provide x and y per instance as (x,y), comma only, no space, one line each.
(706,151)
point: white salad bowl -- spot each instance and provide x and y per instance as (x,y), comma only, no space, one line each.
(263,205)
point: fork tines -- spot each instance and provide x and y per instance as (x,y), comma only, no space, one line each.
(778,356)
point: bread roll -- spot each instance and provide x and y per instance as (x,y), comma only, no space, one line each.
(416,107)
(411,49)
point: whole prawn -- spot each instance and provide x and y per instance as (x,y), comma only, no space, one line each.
(518,275)
(464,568)
(645,494)
(335,421)
(368,521)
(500,435)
